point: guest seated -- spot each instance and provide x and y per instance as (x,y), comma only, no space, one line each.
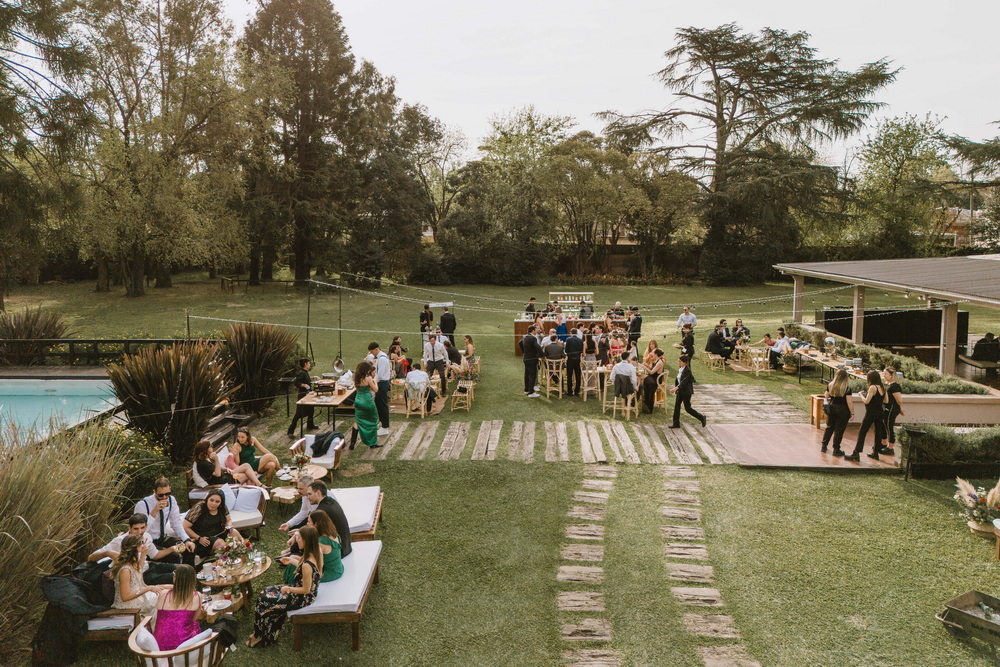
(716,344)
(156,568)
(208,524)
(416,380)
(624,378)
(210,468)
(986,348)
(470,350)
(776,348)
(329,546)
(455,361)
(247,450)
(130,591)
(740,333)
(178,611)
(398,360)
(650,353)
(554,349)
(271,611)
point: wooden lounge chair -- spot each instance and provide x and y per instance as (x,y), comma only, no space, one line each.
(343,600)
(208,652)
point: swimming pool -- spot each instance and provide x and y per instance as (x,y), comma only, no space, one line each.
(32,403)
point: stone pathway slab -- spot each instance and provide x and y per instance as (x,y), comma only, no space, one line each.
(587,574)
(686,550)
(588,512)
(697,596)
(588,629)
(598,484)
(683,532)
(592,657)
(711,625)
(726,656)
(584,531)
(580,601)
(682,514)
(678,498)
(699,574)
(584,552)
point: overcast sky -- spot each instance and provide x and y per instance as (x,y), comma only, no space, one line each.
(470,61)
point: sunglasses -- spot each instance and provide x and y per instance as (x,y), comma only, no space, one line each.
(161,496)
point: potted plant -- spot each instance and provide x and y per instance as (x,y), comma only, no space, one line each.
(979,506)
(790,362)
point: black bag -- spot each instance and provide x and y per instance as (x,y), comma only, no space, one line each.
(94,575)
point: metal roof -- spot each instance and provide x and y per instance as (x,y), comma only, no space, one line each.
(974,279)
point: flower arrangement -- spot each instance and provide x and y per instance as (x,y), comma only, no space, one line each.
(234,549)
(301,459)
(977,503)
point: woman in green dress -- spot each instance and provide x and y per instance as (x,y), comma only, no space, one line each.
(329,546)
(365,414)
(249,447)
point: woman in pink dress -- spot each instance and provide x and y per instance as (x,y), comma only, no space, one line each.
(178,611)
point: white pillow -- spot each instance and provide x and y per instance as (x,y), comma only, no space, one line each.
(145,640)
(196,477)
(201,636)
(229,495)
(246,501)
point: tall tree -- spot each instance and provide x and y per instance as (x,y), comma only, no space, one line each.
(738,95)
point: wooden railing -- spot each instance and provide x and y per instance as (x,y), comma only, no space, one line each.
(77,351)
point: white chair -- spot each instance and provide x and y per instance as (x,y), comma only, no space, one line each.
(249,509)
(330,460)
(203,650)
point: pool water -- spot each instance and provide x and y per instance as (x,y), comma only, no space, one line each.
(32,403)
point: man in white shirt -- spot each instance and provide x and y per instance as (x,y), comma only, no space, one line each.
(626,369)
(153,573)
(416,380)
(163,512)
(436,359)
(383,376)
(687,317)
(305,509)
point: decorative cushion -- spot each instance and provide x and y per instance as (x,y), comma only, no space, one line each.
(198,638)
(247,500)
(145,640)
(230,496)
(196,477)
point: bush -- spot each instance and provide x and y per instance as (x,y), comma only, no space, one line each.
(56,497)
(145,463)
(946,445)
(258,356)
(171,393)
(19,328)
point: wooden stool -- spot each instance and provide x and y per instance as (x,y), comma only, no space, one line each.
(462,397)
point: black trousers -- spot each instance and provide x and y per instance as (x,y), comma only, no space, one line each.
(877,420)
(530,375)
(574,375)
(303,412)
(382,402)
(159,573)
(685,400)
(890,422)
(439,366)
(836,423)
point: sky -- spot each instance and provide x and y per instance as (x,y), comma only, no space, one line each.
(470,62)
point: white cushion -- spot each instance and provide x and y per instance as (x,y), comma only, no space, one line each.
(247,500)
(198,638)
(110,622)
(246,519)
(196,477)
(346,593)
(230,495)
(145,640)
(328,459)
(198,494)
(359,506)
(305,444)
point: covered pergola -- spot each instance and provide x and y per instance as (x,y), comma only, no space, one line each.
(945,282)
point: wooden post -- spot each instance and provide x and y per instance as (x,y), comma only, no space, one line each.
(798,287)
(858,325)
(949,338)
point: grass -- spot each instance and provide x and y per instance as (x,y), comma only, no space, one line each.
(816,569)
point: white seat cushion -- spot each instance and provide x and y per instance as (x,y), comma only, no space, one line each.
(359,506)
(246,519)
(346,593)
(110,622)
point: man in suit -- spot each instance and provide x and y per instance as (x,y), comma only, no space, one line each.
(436,359)
(318,495)
(634,326)
(716,344)
(574,373)
(426,321)
(448,323)
(531,350)
(682,391)
(303,383)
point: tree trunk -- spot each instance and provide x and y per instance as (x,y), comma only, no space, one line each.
(162,273)
(133,273)
(103,272)
(212,272)
(255,251)
(268,259)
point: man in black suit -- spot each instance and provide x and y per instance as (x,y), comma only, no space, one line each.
(303,385)
(716,344)
(426,321)
(682,391)
(574,373)
(317,495)
(531,351)
(448,324)
(634,326)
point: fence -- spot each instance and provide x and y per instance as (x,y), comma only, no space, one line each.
(76,351)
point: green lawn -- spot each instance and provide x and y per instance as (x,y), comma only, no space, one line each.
(815,569)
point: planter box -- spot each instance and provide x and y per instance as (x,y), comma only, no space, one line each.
(978,409)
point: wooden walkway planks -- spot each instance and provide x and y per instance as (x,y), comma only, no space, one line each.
(488,441)
(396,432)
(702,444)
(682,448)
(625,443)
(417,448)
(454,441)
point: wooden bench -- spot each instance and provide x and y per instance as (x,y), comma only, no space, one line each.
(343,600)
(363,509)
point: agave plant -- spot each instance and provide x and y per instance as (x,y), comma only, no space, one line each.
(52,515)
(259,355)
(20,330)
(170,393)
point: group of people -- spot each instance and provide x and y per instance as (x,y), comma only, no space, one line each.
(154,560)
(883,401)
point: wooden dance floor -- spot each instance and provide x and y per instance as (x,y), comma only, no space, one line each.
(795,446)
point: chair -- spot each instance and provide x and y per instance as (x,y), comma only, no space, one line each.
(590,379)
(715,361)
(555,376)
(197,487)
(627,404)
(463,395)
(250,508)
(660,397)
(111,625)
(208,652)
(416,399)
(330,460)
(760,360)
(607,394)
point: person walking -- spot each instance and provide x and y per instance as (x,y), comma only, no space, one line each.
(893,409)
(840,411)
(682,391)
(531,350)
(383,379)
(874,397)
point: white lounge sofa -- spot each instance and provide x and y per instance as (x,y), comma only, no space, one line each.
(343,600)
(362,507)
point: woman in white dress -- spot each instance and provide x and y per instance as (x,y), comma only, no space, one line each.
(130,591)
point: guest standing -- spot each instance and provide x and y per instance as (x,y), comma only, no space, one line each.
(873,398)
(574,373)
(894,408)
(365,413)
(448,324)
(530,353)
(682,391)
(840,411)
(426,322)
(303,383)
(383,379)
(436,359)
(271,611)
(651,381)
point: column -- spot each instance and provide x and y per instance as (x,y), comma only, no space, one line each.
(798,287)
(858,326)
(949,338)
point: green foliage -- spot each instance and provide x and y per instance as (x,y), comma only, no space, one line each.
(170,394)
(55,496)
(27,325)
(942,444)
(428,267)
(257,355)
(145,463)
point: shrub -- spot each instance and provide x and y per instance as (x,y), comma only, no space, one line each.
(947,445)
(19,328)
(258,355)
(56,496)
(145,463)
(170,394)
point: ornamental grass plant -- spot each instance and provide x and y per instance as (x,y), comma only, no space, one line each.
(258,355)
(56,498)
(19,328)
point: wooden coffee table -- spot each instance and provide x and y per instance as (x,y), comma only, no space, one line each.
(244,580)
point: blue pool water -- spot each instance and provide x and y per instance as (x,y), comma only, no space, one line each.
(32,403)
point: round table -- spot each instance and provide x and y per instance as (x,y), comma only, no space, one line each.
(244,580)
(316,471)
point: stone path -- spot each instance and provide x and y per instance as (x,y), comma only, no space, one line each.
(687,564)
